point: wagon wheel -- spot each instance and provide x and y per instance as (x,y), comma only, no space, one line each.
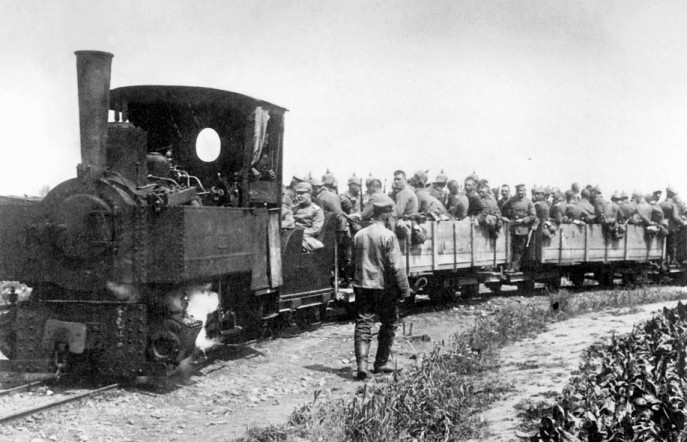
(469,291)
(604,277)
(553,284)
(526,286)
(495,288)
(577,278)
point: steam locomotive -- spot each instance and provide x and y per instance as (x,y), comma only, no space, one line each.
(156,248)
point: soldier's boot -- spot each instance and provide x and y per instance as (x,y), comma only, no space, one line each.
(362,349)
(515,263)
(382,364)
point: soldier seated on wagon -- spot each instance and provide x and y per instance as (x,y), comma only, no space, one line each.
(308,216)
(489,216)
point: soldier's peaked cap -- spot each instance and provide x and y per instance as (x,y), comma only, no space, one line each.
(520,186)
(355,180)
(298,179)
(383,205)
(441,177)
(421,175)
(314,181)
(670,189)
(597,189)
(328,178)
(303,187)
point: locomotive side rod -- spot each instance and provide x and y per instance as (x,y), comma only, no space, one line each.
(55,404)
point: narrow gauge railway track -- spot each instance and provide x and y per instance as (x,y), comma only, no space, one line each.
(52,404)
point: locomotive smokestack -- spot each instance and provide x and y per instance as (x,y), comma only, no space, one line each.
(93,75)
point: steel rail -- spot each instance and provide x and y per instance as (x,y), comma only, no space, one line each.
(24,387)
(55,404)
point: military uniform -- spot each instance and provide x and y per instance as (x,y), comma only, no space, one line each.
(474,204)
(557,212)
(522,214)
(427,203)
(380,282)
(671,213)
(310,217)
(457,205)
(406,203)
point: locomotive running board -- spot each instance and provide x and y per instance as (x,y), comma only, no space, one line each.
(27,366)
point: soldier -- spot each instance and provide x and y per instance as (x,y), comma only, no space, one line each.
(351,201)
(309,217)
(575,188)
(490,215)
(426,202)
(505,195)
(626,208)
(647,215)
(520,210)
(438,189)
(290,191)
(457,205)
(557,212)
(475,202)
(351,204)
(672,213)
(582,210)
(606,214)
(543,211)
(380,282)
(405,198)
(376,195)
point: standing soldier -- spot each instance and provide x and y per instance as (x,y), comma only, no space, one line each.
(380,282)
(505,196)
(438,189)
(475,202)
(351,204)
(672,214)
(520,210)
(490,215)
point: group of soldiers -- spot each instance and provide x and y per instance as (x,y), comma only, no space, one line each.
(306,199)
(371,257)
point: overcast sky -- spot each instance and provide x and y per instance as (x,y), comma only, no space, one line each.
(540,92)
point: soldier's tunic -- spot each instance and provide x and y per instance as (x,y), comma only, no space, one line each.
(671,213)
(580,210)
(457,205)
(427,203)
(351,203)
(542,210)
(489,207)
(522,210)
(626,210)
(368,208)
(557,212)
(310,218)
(439,194)
(604,212)
(329,201)
(406,203)
(475,204)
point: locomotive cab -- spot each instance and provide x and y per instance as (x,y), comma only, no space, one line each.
(168,240)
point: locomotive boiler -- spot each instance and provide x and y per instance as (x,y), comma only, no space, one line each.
(166,237)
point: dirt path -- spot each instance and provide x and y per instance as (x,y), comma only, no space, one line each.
(540,367)
(262,385)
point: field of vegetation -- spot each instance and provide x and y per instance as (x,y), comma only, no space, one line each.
(440,399)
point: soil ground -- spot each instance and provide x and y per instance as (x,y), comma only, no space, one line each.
(262,384)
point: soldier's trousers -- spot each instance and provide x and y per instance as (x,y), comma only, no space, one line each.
(384,304)
(518,243)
